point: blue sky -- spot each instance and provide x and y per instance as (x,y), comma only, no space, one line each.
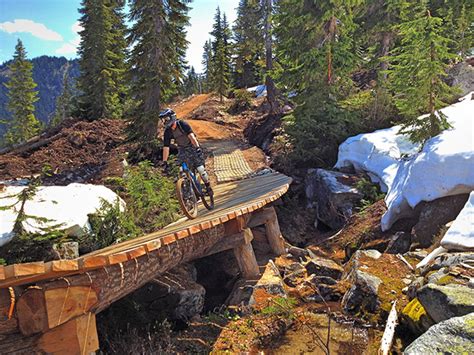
(49,27)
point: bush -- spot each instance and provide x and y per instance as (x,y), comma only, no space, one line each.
(370,191)
(242,101)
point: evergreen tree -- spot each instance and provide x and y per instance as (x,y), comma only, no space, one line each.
(157,60)
(207,64)
(192,83)
(64,101)
(249,44)
(102,51)
(418,66)
(221,56)
(21,99)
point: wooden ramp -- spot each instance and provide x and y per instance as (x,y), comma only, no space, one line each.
(42,301)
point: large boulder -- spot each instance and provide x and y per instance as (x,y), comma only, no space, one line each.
(434,215)
(269,285)
(332,196)
(444,302)
(363,294)
(462,76)
(452,336)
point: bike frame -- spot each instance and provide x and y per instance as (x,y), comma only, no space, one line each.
(195,181)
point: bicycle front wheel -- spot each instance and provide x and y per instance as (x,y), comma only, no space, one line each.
(186,197)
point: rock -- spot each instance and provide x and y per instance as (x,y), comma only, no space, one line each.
(326,287)
(444,302)
(462,76)
(174,294)
(452,336)
(295,278)
(437,275)
(270,283)
(363,293)
(324,267)
(332,196)
(413,288)
(371,253)
(67,250)
(399,243)
(241,293)
(414,316)
(416,254)
(471,282)
(298,252)
(433,217)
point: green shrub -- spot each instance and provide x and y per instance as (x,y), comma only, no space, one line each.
(370,191)
(242,101)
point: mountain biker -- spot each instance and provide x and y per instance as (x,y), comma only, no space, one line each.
(189,150)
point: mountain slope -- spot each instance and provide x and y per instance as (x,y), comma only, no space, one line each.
(48,74)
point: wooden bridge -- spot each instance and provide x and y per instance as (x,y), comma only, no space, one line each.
(50,307)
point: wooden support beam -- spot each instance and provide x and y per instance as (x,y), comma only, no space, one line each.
(275,239)
(77,336)
(230,242)
(246,258)
(269,218)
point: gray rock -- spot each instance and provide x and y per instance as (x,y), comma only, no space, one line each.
(371,253)
(325,286)
(324,267)
(452,336)
(462,76)
(363,293)
(444,302)
(294,278)
(271,282)
(298,252)
(417,254)
(330,194)
(399,243)
(67,250)
(413,288)
(437,275)
(434,215)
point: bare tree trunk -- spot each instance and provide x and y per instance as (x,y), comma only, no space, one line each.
(271,89)
(386,41)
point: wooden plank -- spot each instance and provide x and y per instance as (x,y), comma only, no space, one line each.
(93,262)
(205,225)
(182,234)
(62,265)
(117,258)
(153,245)
(136,252)
(31,312)
(2,272)
(194,229)
(168,239)
(25,269)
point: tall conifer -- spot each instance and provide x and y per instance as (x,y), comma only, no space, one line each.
(207,65)
(21,99)
(418,66)
(157,60)
(221,56)
(102,53)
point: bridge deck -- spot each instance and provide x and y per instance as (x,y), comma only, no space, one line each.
(231,200)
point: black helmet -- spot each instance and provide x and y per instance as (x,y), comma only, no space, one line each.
(168,116)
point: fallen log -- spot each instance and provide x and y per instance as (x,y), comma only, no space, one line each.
(388,334)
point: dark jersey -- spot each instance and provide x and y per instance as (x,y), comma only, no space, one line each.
(180,134)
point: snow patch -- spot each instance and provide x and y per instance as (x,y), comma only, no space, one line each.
(444,167)
(460,236)
(258,91)
(67,206)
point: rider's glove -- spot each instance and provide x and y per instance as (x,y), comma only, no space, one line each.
(199,152)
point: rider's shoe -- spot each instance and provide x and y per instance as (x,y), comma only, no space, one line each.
(209,189)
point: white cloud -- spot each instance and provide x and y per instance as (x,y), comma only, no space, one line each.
(71,46)
(36,29)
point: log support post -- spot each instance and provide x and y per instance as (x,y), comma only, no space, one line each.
(246,257)
(269,217)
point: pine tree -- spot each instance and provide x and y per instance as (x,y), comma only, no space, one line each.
(21,99)
(157,60)
(418,66)
(207,65)
(102,51)
(221,56)
(192,83)
(249,44)
(64,101)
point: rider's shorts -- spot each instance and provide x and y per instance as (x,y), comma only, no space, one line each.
(190,156)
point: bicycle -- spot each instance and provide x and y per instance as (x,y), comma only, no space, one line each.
(189,191)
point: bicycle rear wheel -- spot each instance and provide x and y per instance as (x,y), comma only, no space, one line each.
(186,197)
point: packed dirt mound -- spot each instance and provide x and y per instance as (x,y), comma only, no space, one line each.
(184,108)
(81,151)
